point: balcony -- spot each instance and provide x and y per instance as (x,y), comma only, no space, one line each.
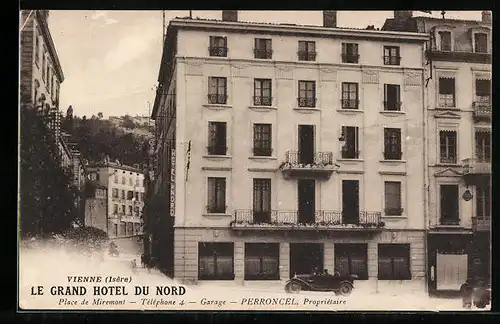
(482,110)
(481,223)
(317,165)
(476,166)
(307,55)
(261,53)
(294,220)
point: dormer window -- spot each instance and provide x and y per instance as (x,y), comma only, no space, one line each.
(443,38)
(445,41)
(480,43)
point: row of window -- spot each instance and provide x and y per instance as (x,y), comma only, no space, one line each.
(262,261)
(262,143)
(216,197)
(123,211)
(138,196)
(130,181)
(217,94)
(449,195)
(44,64)
(306,50)
(447,92)
(127,228)
(445,44)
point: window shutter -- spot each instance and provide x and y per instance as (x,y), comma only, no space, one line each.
(222,134)
(356,139)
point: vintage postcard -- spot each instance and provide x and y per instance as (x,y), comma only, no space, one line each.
(255,160)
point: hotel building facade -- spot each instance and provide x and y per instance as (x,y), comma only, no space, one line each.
(284,148)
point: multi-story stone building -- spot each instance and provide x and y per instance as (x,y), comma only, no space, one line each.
(285,148)
(458,145)
(125,198)
(41,72)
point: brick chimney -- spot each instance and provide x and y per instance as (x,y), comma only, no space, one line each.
(486,17)
(229,15)
(330,18)
(403,15)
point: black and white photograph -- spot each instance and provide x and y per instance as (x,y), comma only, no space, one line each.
(232,160)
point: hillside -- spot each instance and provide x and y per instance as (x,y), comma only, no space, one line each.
(119,138)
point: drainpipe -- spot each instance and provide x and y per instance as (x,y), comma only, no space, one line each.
(425,100)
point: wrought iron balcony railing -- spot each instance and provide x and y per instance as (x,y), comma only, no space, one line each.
(220,99)
(263,53)
(392,105)
(218,51)
(322,218)
(262,101)
(306,102)
(350,103)
(449,221)
(298,158)
(392,60)
(476,166)
(350,58)
(481,223)
(306,55)
(482,109)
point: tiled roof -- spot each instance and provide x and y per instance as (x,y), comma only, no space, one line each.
(267,23)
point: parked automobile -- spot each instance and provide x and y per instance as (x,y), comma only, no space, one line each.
(322,281)
(477,292)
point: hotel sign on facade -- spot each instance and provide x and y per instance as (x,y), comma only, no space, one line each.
(172,184)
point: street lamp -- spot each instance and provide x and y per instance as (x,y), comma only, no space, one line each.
(342,141)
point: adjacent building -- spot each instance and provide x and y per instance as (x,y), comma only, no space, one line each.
(458,146)
(40,78)
(124,187)
(41,74)
(284,148)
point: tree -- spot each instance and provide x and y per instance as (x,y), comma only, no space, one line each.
(128,122)
(47,194)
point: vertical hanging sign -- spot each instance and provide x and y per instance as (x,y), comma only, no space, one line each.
(172,183)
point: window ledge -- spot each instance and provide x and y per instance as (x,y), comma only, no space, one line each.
(447,165)
(217,106)
(217,215)
(264,158)
(263,108)
(350,160)
(447,108)
(307,110)
(351,111)
(392,113)
(392,161)
(393,217)
(217,157)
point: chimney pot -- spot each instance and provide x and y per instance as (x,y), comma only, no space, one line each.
(403,14)
(486,16)
(330,18)
(229,15)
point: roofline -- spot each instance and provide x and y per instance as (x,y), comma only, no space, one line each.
(114,165)
(452,20)
(297,29)
(50,42)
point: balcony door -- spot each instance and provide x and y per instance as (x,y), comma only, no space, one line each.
(306,201)
(350,201)
(449,205)
(306,144)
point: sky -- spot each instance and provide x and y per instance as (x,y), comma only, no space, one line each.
(111,59)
